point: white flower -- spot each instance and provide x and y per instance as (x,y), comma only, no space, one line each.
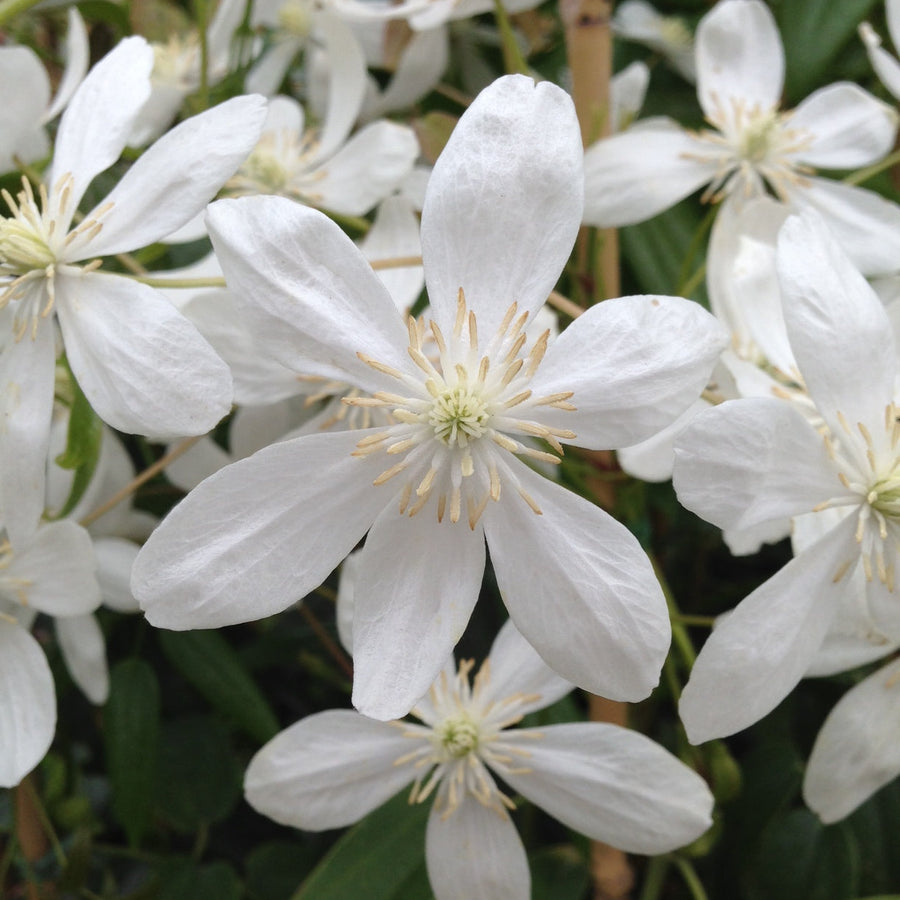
(612,784)
(886,66)
(501,214)
(637,20)
(143,367)
(753,147)
(748,462)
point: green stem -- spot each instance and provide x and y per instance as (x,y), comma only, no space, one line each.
(179,282)
(680,637)
(202,9)
(686,280)
(690,285)
(11,8)
(654,878)
(862,175)
(691,879)
(513,61)
(701,621)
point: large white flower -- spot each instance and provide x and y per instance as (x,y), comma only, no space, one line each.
(752,146)
(607,782)
(501,212)
(748,462)
(143,366)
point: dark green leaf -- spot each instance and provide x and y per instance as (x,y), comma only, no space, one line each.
(217,881)
(274,870)
(83,441)
(207,661)
(559,873)
(131,725)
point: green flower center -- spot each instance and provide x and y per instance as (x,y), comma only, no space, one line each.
(458,736)
(458,415)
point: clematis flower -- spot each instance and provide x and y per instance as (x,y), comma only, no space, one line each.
(637,20)
(607,782)
(886,67)
(752,147)
(143,367)
(748,462)
(501,212)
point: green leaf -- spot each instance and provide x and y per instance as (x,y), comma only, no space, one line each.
(275,869)
(199,778)
(207,661)
(381,852)
(131,725)
(83,441)
(187,881)
(559,873)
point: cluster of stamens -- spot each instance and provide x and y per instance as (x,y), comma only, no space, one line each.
(751,144)
(282,163)
(449,429)
(462,738)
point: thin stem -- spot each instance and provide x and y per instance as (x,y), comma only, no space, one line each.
(327,641)
(680,637)
(202,8)
(862,175)
(212,282)
(451,93)
(144,477)
(46,824)
(697,241)
(691,879)
(701,621)
(691,284)
(395,262)
(513,61)
(565,305)
(654,878)
(11,8)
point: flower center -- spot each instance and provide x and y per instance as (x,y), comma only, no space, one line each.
(674,32)
(457,736)
(177,61)
(26,235)
(467,405)
(757,137)
(295,17)
(279,164)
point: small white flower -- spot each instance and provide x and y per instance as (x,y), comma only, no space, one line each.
(637,20)
(609,783)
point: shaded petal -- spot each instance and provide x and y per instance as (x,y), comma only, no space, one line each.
(886,66)
(475,852)
(308,291)
(258,535)
(418,583)
(635,364)
(202,460)
(270,68)
(115,558)
(828,305)
(749,461)
(757,654)
(613,785)
(856,751)
(22,108)
(328,770)
(504,203)
(632,176)
(143,365)
(579,588)
(849,127)
(739,57)
(28,711)
(84,651)
(177,176)
(78,53)
(98,121)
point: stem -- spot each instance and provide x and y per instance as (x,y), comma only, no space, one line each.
(691,879)
(395,262)
(862,175)
(513,61)
(655,878)
(11,8)
(46,824)
(565,305)
(690,285)
(150,281)
(325,639)
(697,241)
(685,619)
(144,477)
(452,93)
(202,22)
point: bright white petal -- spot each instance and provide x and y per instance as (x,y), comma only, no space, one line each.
(78,54)
(504,203)
(142,365)
(328,770)
(475,852)
(178,176)
(632,176)
(739,57)
(613,785)
(28,711)
(756,655)
(746,462)
(886,66)
(635,364)
(418,582)
(579,588)
(22,108)
(84,651)
(627,91)
(258,535)
(857,751)
(96,125)
(849,127)
(308,290)
(115,559)
(269,70)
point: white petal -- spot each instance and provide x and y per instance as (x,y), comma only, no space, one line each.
(849,127)
(418,582)
(28,711)
(746,462)
(367,168)
(475,852)
(328,770)
(516,668)
(308,290)
(269,70)
(739,57)
(258,535)
(613,785)
(178,175)
(828,305)
(579,588)
(142,365)
(756,655)
(115,559)
(632,176)
(27,370)
(857,751)
(504,203)
(78,54)
(635,364)
(202,460)
(95,126)
(886,66)
(346,600)
(23,107)
(865,224)
(84,651)
(627,90)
